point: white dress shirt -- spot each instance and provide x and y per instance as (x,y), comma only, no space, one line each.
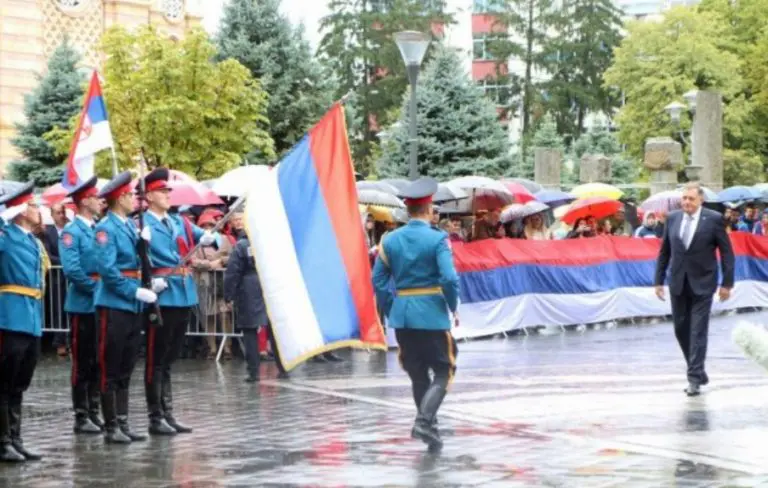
(696,216)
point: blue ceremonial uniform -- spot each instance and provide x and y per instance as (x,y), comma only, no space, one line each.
(115,255)
(22,273)
(419,260)
(80,265)
(165,256)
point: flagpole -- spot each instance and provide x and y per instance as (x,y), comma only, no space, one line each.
(114,161)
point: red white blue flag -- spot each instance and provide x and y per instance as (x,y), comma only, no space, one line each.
(93,135)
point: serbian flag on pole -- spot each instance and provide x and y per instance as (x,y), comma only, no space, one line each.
(303,223)
(92,135)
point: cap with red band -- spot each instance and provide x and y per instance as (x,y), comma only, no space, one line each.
(157,180)
(20,197)
(118,186)
(85,190)
(419,192)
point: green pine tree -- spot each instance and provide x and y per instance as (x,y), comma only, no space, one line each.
(458,129)
(54,102)
(256,34)
(358,46)
(545,136)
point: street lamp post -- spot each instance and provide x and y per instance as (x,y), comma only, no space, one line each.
(675,110)
(413,46)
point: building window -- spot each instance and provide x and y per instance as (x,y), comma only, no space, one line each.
(482,46)
(501,95)
(488,6)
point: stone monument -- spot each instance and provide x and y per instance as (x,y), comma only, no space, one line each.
(595,168)
(663,155)
(707,139)
(547,165)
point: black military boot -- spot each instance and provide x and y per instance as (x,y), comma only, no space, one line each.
(112,432)
(166,399)
(18,444)
(83,424)
(122,416)
(8,454)
(157,423)
(332,357)
(94,405)
(425,426)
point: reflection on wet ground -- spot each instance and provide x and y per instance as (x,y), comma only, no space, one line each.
(599,408)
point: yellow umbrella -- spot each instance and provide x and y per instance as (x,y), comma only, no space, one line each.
(589,190)
(380,214)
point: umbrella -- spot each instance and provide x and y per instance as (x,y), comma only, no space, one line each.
(533,207)
(486,193)
(762,188)
(554,198)
(192,193)
(176,175)
(237,182)
(377,197)
(377,185)
(597,207)
(521,193)
(663,202)
(398,183)
(58,193)
(512,212)
(447,192)
(737,193)
(589,190)
(529,185)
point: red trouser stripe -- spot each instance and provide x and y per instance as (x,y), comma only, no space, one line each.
(151,354)
(262,335)
(75,322)
(103,349)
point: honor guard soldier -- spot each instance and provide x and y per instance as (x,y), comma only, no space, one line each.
(24,265)
(169,240)
(418,259)
(119,300)
(78,261)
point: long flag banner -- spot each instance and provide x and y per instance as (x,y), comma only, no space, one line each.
(510,284)
(93,135)
(309,247)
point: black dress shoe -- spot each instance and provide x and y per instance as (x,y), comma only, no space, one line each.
(126,429)
(252,379)
(114,435)
(177,426)
(28,455)
(160,427)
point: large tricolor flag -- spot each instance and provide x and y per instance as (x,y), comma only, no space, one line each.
(304,227)
(93,134)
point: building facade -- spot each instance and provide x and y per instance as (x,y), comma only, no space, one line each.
(31,29)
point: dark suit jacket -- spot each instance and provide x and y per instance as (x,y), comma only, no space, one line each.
(698,263)
(50,238)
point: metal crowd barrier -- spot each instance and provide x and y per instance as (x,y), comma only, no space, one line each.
(211,319)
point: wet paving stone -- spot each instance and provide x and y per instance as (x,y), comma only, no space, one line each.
(585,409)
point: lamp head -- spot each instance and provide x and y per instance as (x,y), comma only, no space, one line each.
(675,110)
(690,99)
(413,46)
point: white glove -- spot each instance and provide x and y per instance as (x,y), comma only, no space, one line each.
(146,296)
(159,284)
(207,238)
(146,233)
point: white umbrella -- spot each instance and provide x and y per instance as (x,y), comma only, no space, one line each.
(377,185)
(448,192)
(235,183)
(377,197)
(485,193)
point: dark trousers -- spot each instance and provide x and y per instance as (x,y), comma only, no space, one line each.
(690,314)
(422,351)
(19,353)
(84,342)
(119,346)
(163,348)
(252,355)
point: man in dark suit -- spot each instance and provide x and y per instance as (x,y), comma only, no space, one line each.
(691,240)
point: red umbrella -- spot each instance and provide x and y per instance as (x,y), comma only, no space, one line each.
(192,193)
(521,193)
(176,175)
(597,207)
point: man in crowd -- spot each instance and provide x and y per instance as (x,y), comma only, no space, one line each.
(420,261)
(78,260)
(24,265)
(168,243)
(118,302)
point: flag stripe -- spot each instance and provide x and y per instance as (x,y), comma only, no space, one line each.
(316,245)
(336,178)
(97,111)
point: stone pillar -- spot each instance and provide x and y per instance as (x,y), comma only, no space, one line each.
(595,168)
(707,138)
(547,164)
(663,155)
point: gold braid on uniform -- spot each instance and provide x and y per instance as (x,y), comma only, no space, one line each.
(45,264)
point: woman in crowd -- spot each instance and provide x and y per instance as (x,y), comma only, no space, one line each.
(451,227)
(582,228)
(534,230)
(648,229)
(761,227)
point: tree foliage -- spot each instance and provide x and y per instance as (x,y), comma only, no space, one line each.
(457,127)
(599,140)
(545,137)
(358,47)
(300,90)
(56,99)
(169,102)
